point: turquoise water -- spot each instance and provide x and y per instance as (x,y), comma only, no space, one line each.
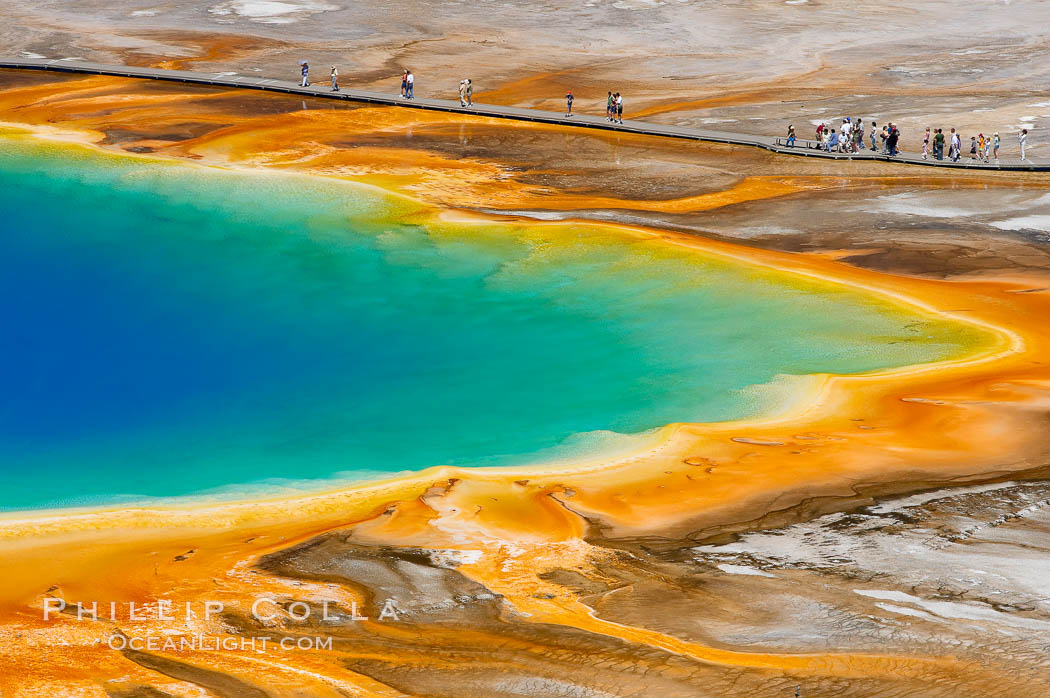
(174,330)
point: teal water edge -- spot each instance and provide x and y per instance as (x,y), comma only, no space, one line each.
(178,330)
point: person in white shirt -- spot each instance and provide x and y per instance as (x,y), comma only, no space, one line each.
(410,82)
(1022,139)
(335,79)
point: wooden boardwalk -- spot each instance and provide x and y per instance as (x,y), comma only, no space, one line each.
(500,112)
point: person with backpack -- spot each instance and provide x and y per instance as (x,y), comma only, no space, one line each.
(470,92)
(568,103)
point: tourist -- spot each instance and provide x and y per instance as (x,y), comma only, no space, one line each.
(987,149)
(891,140)
(926,143)
(791,136)
(1022,140)
(609,107)
(833,141)
(821,130)
(995,146)
(884,136)
(874,126)
(980,146)
(335,79)
(938,144)
(305,70)
(410,85)
(955,147)
(568,103)
(470,92)
(973,148)
(858,136)
(463,92)
(619,108)
(404,84)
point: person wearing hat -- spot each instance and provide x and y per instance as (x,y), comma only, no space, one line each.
(568,103)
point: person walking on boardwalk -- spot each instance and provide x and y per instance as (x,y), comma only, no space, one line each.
(892,139)
(858,136)
(410,85)
(619,108)
(926,143)
(987,149)
(874,130)
(1022,140)
(791,136)
(470,93)
(609,107)
(304,68)
(995,146)
(973,148)
(404,83)
(463,92)
(335,79)
(955,149)
(938,144)
(981,142)
(568,103)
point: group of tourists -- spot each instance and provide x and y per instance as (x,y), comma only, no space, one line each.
(408,84)
(850,137)
(466,93)
(304,69)
(614,108)
(982,149)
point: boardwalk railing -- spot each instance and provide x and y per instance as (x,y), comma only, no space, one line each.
(228,79)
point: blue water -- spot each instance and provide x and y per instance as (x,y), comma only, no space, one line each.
(174,330)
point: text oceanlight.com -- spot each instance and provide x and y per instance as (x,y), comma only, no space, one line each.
(204,643)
